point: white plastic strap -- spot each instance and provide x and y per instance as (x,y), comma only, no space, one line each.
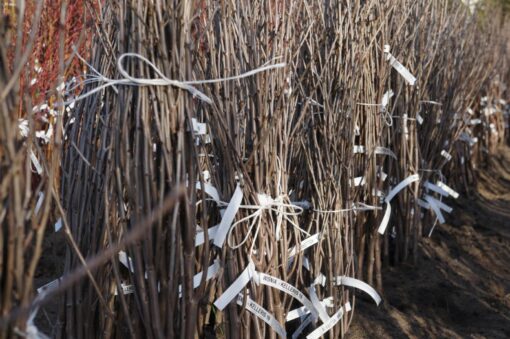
(440,204)
(385,151)
(423,204)
(320,279)
(419,118)
(323,314)
(36,163)
(126,289)
(386,99)
(262,314)
(324,328)
(437,206)
(49,286)
(381,174)
(39,202)
(358,181)
(446,155)
(200,238)
(303,311)
(352,282)
(385,219)
(126,261)
(236,287)
(406,182)
(304,324)
(404,125)
(209,190)
(228,217)
(411,80)
(285,287)
(435,188)
(308,242)
(199,128)
(447,189)
(212,271)
(58,225)
(359,149)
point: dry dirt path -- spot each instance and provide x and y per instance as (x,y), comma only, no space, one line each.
(461,286)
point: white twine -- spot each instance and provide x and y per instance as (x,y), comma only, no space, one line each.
(359,206)
(163,80)
(279,205)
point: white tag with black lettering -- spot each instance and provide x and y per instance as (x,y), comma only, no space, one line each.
(283,286)
(324,328)
(262,314)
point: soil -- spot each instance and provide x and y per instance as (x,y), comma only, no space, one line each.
(460,288)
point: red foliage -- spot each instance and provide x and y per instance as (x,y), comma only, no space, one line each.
(45,52)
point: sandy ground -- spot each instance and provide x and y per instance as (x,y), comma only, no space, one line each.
(461,286)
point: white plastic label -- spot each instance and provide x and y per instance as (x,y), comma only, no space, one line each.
(212,271)
(228,217)
(236,287)
(385,151)
(36,163)
(283,286)
(386,99)
(209,190)
(303,311)
(437,206)
(199,128)
(58,225)
(324,328)
(302,327)
(430,186)
(352,282)
(406,182)
(404,72)
(448,189)
(126,261)
(358,181)
(359,149)
(323,314)
(308,242)
(200,238)
(49,286)
(262,314)
(446,155)
(419,118)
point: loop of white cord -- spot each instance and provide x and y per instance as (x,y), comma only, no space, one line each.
(279,206)
(129,80)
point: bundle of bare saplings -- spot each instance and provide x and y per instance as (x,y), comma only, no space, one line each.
(246,168)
